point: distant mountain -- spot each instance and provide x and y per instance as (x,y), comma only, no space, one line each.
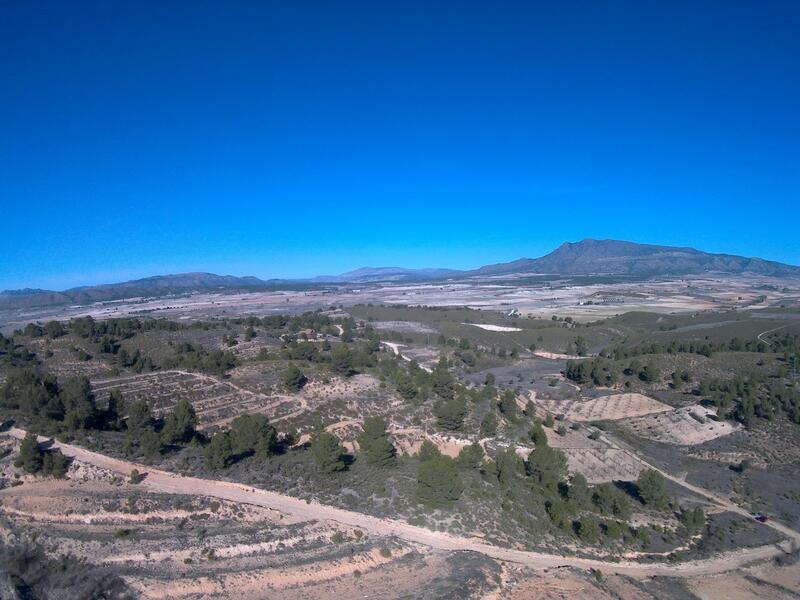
(587,257)
(612,257)
(160,285)
(368,274)
(180,281)
(24,292)
(184,283)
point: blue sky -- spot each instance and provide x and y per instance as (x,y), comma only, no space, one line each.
(297,138)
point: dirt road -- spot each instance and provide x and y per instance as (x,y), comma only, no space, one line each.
(720,501)
(162,481)
(396,349)
(761,339)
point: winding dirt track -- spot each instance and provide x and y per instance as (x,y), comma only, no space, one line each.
(761,339)
(792,535)
(396,350)
(163,481)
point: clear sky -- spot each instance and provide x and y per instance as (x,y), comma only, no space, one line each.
(300,138)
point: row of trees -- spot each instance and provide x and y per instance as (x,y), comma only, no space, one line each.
(705,348)
(603,372)
(745,397)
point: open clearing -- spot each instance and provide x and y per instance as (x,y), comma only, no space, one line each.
(687,426)
(604,408)
(488,327)
(556,355)
(402,326)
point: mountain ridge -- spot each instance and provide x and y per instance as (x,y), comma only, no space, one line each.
(615,257)
(586,257)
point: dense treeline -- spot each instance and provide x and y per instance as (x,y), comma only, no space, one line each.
(704,348)
(40,399)
(101,331)
(602,372)
(744,398)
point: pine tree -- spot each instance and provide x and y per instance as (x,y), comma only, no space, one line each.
(79,404)
(450,413)
(116,408)
(428,451)
(150,444)
(179,426)
(652,488)
(547,465)
(508,405)
(327,452)
(471,457)
(406,388)
(588,530)
(30,455)
(489,425)
(508,465)
(218,452)
(442,382)
(537,434)
(139,418)
(252,433)
(294,379)
(342,361)
(439,482)
(578,491)
(375,444)
(55,464)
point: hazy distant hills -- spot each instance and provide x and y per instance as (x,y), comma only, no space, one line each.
(367,274)
(587,257)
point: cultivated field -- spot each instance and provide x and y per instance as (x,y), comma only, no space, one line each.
(215,401)
(687,426)
(604,408)
(603,464)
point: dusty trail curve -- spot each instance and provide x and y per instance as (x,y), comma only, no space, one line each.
(395,348)
(760,339)
(163,481)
